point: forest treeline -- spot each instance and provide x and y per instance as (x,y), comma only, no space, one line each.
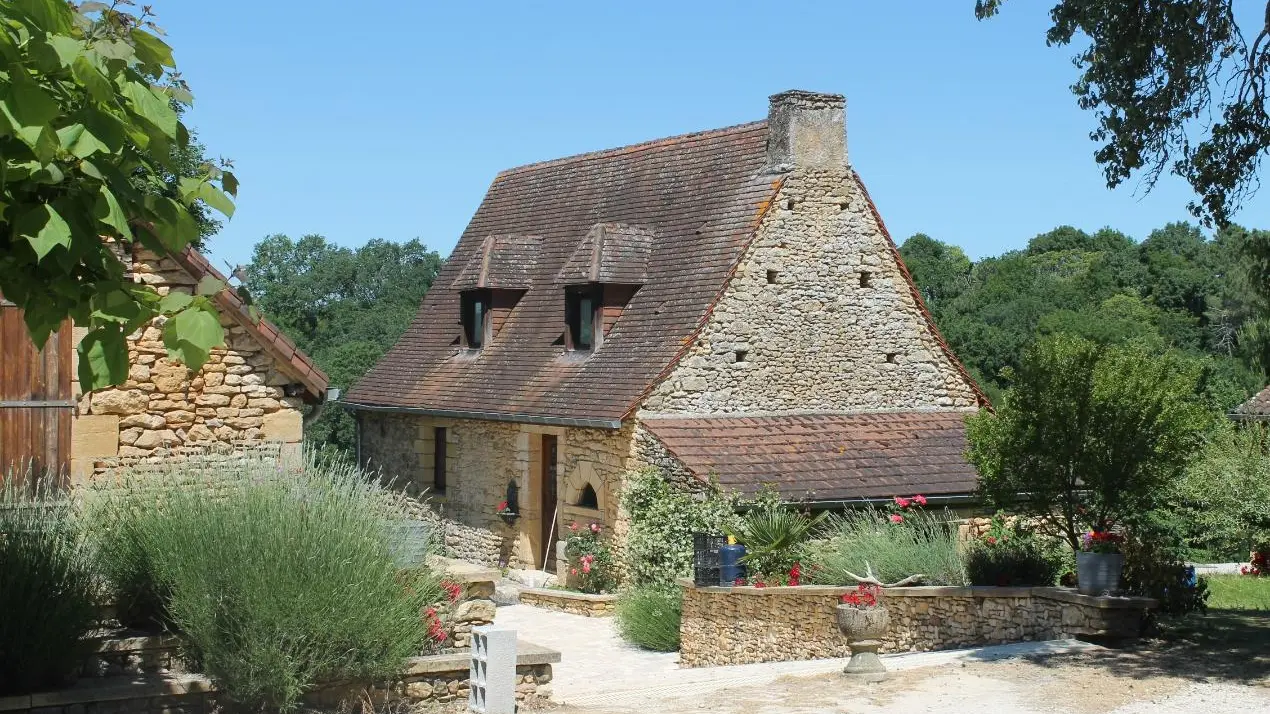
(1174,290)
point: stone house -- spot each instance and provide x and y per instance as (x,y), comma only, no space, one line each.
(721,305)
(1255,409)
(249,396)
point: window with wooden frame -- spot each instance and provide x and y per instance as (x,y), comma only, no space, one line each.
(474,312)
(582,315)
(438,460)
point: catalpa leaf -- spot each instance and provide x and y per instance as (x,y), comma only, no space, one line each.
(30,105)
(152,50)
(215,198)
(107,210)
(191,334)
(44,229)
(175,302)
(229,182)
(151,106)
(209,286)
(68,49)
(93,80)
(79,141)
(103,358)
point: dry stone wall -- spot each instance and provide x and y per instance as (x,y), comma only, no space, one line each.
(238,398)
(817,317)
(724,626)
(573,603)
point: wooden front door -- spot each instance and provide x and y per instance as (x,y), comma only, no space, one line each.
(550,518)
(35,399)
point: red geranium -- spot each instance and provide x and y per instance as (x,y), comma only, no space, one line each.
(865,596)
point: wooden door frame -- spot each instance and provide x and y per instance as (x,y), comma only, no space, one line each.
(549,498)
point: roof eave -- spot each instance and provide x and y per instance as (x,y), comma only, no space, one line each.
(539,419)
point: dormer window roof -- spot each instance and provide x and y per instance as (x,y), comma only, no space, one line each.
(504,262)
(613,253)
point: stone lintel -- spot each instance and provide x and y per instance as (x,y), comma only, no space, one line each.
(149,686)
(1105,602)
(527,654)
(571,595)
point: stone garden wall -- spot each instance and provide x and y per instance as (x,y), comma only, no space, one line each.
(741,625)
(573,603)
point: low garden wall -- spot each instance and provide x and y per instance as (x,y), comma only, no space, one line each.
(571,602)
(436,678)
(742,625)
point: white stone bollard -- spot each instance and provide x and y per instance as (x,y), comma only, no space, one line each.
(492,685)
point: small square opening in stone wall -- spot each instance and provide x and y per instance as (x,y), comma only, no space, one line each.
(772,276)
(742,355)
(866,279)
(891,357)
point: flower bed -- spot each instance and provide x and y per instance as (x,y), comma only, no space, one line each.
(741,625)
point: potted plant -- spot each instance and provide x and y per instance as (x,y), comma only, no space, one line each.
(863,621)
(1099,563)
(506,512)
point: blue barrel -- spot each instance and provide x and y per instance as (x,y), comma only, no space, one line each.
(730,567)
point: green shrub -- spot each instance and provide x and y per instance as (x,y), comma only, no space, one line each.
(774,534)
(275,579)
(47,591)
(658,547)
(649,617)
(1155,556)
(1012,556)
(922,543)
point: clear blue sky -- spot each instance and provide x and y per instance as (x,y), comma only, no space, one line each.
(388,120)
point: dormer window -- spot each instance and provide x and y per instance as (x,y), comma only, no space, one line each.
(581,313)
(475,311)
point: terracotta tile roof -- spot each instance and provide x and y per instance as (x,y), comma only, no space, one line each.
(610,253)
(505,262)
(270,337)
(694,199)
(1256,408)
(826,457)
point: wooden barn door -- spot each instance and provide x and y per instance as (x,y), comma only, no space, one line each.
(35,399)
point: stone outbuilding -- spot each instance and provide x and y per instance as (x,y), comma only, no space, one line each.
(722,305)
(250,395)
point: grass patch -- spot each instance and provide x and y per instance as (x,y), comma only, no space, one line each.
(924,543)
(1238,592)
(649,617)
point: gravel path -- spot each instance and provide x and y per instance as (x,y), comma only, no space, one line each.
(601,674)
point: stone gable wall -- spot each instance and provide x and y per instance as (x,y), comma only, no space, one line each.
(795,329)
(238,398)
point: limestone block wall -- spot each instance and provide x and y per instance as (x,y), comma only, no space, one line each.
(742,625)
(817,317)
(482,457)
(237,398)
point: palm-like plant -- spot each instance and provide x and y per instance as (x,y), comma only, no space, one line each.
(774,536)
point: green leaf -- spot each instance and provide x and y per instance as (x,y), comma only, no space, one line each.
(175,302)
(171,222)
(30,105)
(152,50)
(229,182)
(191,334)
(188,187)
(117,306)
(44,229)
(209,286)
(51,16)
(84,72)
(105,127)
(115,49)
(68,49)
(215,198)
(151,106)
(103,358)
(90,169)
(107,210)
(80,142)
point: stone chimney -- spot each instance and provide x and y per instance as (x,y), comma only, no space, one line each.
(806,130)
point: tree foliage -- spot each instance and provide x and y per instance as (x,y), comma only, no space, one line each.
(344,307)
(1089,435)
(1203,298)
(1226,491)
(94,158)
(1176,85)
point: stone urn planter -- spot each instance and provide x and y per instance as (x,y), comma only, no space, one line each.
(1098,573)
(864,628)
